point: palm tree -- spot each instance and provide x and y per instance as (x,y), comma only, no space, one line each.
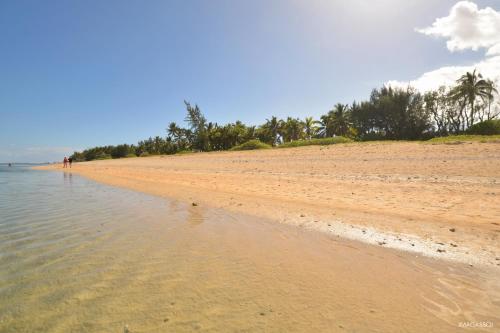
(325,122)
(341,122)
(335,122)
(292,129)
(173,131)
(469,87)
(309,127)
(273,125)
(157,144)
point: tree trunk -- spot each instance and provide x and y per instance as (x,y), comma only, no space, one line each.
(471,113)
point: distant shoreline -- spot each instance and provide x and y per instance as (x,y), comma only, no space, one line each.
(438,200)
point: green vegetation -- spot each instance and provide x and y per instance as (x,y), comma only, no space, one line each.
(102,156)
(317,142)
(390,113)
(456,139)
(487,127)
(251,145)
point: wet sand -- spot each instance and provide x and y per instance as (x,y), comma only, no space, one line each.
(441,200)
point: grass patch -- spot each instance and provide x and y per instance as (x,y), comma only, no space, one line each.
(184,152)
(251,145)
(316,142)
(457,139)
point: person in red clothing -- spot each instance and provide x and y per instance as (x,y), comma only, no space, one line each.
(65,162)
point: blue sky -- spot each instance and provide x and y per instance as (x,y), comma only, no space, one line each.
(75,74)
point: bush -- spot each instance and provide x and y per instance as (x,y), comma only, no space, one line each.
(144,154)
(103,156)
(487,127)
(316,142)
(251,145)
(120,151)
(131,155)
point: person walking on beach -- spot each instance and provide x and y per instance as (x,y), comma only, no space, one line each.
(70,161)
(65,162)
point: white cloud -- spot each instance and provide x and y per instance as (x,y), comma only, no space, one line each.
(489,67)
(466,27)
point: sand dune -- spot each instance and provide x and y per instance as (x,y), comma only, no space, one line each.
(439,199)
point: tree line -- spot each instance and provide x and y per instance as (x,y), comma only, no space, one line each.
(390,113)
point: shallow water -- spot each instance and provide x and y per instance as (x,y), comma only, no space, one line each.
(77,256)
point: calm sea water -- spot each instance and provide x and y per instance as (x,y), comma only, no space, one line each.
(77,256)
(56,231)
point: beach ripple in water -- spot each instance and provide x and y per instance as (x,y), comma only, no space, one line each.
(76,256)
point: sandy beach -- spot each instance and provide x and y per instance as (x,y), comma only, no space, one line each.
(441,200)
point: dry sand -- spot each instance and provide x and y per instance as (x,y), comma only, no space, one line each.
(438,199)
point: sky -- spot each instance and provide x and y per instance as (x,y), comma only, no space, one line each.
(76,74)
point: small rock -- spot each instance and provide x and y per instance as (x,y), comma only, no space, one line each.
(382,243)
(194,204)
(165,320)
(441,250)
(452,229)
(262,314)
(302,215)
(454,245)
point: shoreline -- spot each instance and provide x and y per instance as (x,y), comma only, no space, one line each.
(401,190)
